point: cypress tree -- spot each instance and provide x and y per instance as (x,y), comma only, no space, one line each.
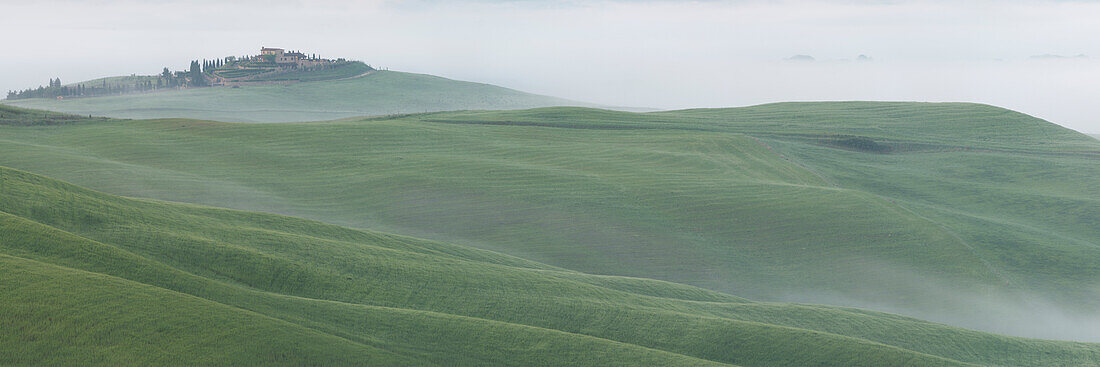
(196,74)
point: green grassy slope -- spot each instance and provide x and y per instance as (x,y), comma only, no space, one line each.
(116,81)
(13,116)
(342,71)
(380,93)
(957,212)
(54,315)
(105,280)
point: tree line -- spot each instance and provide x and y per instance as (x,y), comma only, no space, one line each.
(192,77)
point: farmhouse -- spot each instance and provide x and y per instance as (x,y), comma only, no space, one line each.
(282,57)
(271,51)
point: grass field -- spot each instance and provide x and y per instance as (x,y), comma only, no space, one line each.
(11,116)
(94,279)
(117,81)
(342,71)
(380,93)
(960,213)
(237,73)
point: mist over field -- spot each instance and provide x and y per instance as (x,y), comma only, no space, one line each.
(1037,57)
(1016,313)
(500,181)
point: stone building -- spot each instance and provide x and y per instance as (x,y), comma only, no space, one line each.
(295,58)
(271,51)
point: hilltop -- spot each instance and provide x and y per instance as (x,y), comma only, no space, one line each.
(962,213)
(271,65)
(95,279)
(377,93)
(274,86)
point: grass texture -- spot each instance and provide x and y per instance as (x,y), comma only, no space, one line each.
(960,213)
(94,279)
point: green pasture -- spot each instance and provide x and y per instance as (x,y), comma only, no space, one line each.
(960,213)
(88,278)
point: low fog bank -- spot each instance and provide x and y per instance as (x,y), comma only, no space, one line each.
(1018,313)
(1028,316)
(1058,90)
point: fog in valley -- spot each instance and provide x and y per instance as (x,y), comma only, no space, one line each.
(1038,57)
(1017,312)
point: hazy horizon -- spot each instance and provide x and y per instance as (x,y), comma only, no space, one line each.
(656,54)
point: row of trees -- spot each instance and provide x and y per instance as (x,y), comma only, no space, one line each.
(208,66)
(193,77)
(55,89)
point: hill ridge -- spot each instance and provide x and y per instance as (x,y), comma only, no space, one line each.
(91,212)
(679,205)
(378,93)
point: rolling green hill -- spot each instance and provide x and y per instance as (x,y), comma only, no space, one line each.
(379,93)
(961,213)
(12,116)
(339,71)
(94,279)
(117,81)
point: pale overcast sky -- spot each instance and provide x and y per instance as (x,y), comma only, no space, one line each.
(661,54)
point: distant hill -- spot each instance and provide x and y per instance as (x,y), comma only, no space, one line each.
(1058,57)
(377,93)
(88,278)
(14,116)
(341,71)
(962,213)
(117,81)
